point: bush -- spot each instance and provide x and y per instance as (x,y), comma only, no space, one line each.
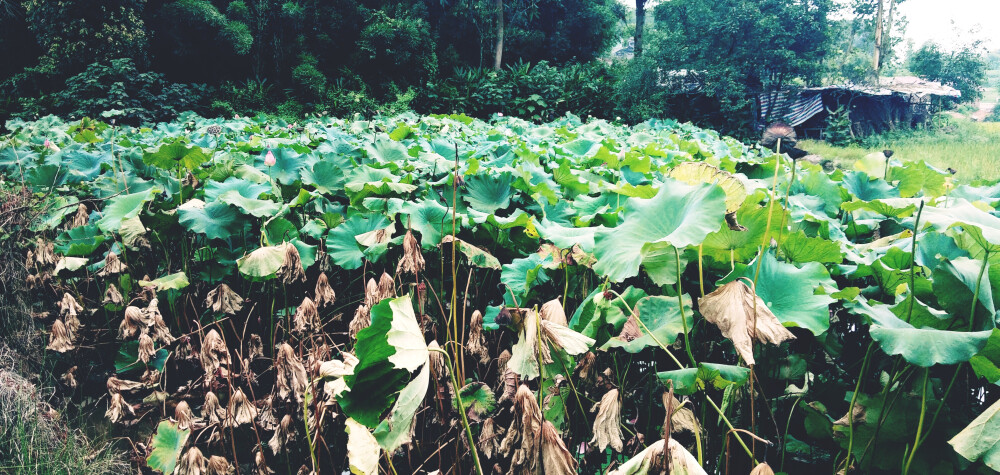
(118,86)
(537,92)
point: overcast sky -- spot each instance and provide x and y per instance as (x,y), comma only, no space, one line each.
(936,20)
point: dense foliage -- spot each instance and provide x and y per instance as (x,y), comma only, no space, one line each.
(429,292)
(963,68)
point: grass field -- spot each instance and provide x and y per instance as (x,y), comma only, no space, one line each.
(971,148)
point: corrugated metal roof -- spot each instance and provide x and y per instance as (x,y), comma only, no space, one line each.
(905,85)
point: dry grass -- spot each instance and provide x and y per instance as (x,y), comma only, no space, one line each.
(971,148)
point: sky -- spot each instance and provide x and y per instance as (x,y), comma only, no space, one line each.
(936,20)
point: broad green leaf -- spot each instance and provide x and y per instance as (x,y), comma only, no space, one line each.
(981,438)
(955,284)
(394,431)
(429,218)
(476,256)
(661,316)
(679,215)
(262,263)
(343,241)
(174,281)
(478,400)
(982,227)
(487,193)
(174,155)
(79,241)
(986,363)
(601,316)
(123,207)
(127,359)
(797,247)
(388,350)
(251,206)
(166,446)
(363,451)
(216,220)
(790,292)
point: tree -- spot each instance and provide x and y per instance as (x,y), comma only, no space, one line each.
(498,56)
(963,68)
(741,48)
(640,24)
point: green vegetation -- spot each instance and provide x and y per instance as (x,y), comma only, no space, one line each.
(971,149)
(447,293)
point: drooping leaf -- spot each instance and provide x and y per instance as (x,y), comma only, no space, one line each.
(981,438)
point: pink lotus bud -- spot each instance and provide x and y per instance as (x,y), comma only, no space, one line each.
(269,159)
(47,143)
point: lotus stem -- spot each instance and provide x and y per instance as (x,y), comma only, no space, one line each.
(461,410)
(850,408)
(680,304)
(788,192)
(920,423)
(913,260)
(979,282)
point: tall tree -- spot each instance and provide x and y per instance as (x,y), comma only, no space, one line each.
(877,64)
(640,24)
(498,54)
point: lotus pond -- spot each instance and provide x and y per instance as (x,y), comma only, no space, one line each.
(436,293)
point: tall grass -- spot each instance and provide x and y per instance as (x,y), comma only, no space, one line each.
(970,148)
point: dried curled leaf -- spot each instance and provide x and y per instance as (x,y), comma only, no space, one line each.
(324,294)
(489,438)
(223,299)
(291,374)
(683,418)
(607,424)
(112,265)
(552,311)
(523,440)
(241,410)
(307,317)
(192,463)
(731,308)
(112,296)
(413,260)
(650,461)
(59,338)
(556,458)
(762,469)
(214,354)
(118,408)
(476,346)
(282,435)
(212,411)
(184,416)
(362,319)
(291,269)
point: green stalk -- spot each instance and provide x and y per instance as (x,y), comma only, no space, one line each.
(850,409)
(913,258)
(731,428)
(788,192)
(461,410)
(944,398)
(680,303)
(979,282)
(920,423)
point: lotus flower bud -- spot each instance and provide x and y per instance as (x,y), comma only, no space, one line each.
(269,159)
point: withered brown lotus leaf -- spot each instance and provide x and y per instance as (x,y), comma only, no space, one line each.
(291,269)
(291,374)
(255,349)
(146,348)
(116,385)
(214,354)
(523,442)
(112,265)
(413,260)
(282,435)
(59,338)
(69,378)
(607,424)
(161,332)
(476,346)
(118,408)
(223,299)
(241,411)
(69,308)
(218,466)
(762,469)
(260,464)
(112,296)
(267,418)
(211,410)
(192,463)
(859,416)
(362,319)
(324,294)
(552,311)
(184,416)
(630,330)
(131,324)
(44,253)
(683,418)
(585,365)
(79,218)
(150,377)
(489,438)
(556,458)
(438,365)
(306,318)
(386,287)
(731,308)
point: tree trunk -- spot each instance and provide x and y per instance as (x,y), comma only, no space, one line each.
(887,33)
(640,22)
(877,64)
(498,55)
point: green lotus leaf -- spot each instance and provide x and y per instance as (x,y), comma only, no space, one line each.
(326,176)
(387,151)
(601,318)
(680,215)
(127,359)
(343,242)
(287,164)
(175,281)
(914,177)
(251,206)
(123,207)
(70,264)
(889,207)
(986,363)
(660,262)
(279,230)
(983,228)
(729,245)
(166,446)
(477,257)
(815,182)
(430,219)
(523,274)
(866,188)
(174,155)
(790,291)
(565,237)
(84,166)
(797,247)
(79,241)
(478,400)
(955,283)
(246,188)
(981,438)
(487,193)
(688,381)
(262,263)
(388,351)
(216,220)
(661,323)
